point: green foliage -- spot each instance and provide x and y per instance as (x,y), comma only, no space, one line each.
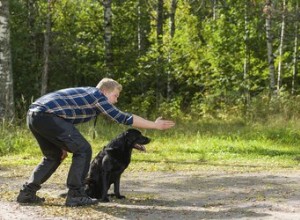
(198,71)
(14,139)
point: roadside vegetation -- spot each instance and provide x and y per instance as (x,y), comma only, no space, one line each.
(196,144)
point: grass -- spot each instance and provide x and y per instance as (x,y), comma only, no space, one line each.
(233,145)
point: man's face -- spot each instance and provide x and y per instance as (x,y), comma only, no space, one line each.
(112,96)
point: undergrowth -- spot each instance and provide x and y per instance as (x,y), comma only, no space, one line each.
(191,145)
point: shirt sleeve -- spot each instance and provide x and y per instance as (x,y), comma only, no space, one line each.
(114,113)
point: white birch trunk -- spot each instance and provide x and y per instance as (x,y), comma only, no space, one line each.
(215,10)
(268,12)
(108,36)
(296,54)
(159,38)
(6,79)
(46,51)
(172,33)
(139,28)
(246,58)
(281,47)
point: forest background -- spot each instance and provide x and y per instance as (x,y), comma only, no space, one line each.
(225,70)
(184,59)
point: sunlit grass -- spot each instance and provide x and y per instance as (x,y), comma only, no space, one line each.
(190,146)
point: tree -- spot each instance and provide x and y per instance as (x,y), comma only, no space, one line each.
(295,55)
(172,33)
(268,11)
(46,50)
(159,38)
(108,36)
(281,46)
(6,79)
(247,53)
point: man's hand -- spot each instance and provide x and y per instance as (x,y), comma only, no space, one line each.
(163,124)
(64,155)
(158,124)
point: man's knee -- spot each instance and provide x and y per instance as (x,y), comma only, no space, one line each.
(88,149)
(54,159)
(53,156)
(84,148)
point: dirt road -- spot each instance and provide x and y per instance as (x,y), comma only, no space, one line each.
(169,195)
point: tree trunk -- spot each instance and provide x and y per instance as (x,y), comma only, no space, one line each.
(140,29)
(159,38)
(295,55)
(108,36)
(268,12)
(31,22)
(215,10)
(281,46)
(247,55)
(172,33)
(46,50)
(6,79)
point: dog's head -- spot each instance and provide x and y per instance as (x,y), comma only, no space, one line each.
(135,139)
(125,142)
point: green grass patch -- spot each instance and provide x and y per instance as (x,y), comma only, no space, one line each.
(198,145)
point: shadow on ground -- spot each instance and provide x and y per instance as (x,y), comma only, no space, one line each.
(170,195)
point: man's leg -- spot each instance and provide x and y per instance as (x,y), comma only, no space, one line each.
(43,171)
(65,136)
(48,165)
(82,153)
(54,134)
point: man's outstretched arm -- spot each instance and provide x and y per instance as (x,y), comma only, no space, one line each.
(158,124)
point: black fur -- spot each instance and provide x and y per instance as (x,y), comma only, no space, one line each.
(108,166)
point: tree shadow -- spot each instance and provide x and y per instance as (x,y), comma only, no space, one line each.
(162,209)
(215,196)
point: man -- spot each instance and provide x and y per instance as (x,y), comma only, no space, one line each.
(51,120)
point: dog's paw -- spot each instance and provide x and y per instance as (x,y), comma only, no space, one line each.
(105,199)
(120,197)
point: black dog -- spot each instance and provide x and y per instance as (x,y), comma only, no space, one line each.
(108,166)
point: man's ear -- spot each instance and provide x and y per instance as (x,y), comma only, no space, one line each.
(104,92)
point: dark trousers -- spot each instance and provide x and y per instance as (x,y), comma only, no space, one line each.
(54,134)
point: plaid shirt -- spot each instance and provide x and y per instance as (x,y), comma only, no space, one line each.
(78,105)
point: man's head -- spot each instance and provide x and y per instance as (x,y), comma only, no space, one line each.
(110,88)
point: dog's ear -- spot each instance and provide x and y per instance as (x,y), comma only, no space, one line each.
(131,135)
(116,146)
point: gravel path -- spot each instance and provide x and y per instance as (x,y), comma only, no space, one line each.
(169,195)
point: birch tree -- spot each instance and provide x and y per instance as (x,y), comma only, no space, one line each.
(6,79)
(282,34)
(140,29)
(172,33)
(108,36)
(159,38)
(268,9)
(247,55)
(46,49)
(296,53)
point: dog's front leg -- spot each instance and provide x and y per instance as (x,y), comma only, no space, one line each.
(105,186)
(107,167)
(117,188)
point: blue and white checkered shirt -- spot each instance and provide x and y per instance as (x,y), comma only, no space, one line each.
(78,105)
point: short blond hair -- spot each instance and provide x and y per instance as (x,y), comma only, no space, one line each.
(108,84)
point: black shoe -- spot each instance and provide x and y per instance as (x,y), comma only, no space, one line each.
(79,198)
(26,196)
